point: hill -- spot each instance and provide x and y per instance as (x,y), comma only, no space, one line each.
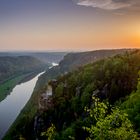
(14,70)
(111,80)
(101,87)
(45,57)
(72,61)
(12,66)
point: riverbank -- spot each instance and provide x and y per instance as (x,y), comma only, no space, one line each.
(26,115)
(16,100)
(7,86)
(25,120)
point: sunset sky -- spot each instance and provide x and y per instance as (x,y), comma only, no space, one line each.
(73,25)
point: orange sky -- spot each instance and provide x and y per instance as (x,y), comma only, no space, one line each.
(71,32)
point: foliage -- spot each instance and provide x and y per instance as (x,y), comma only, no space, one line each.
(132,106)
(112,126)
(50,133)
(21,137)
(111,79)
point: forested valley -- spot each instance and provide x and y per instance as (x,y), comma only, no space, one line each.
(99,100)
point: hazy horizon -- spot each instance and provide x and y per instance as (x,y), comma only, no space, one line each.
(59,51)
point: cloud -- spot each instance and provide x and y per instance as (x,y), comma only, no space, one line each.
(105,4)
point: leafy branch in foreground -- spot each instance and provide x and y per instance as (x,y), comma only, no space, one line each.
(112,126)
(50,133)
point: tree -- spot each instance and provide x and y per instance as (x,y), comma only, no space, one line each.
(132,106)
(50,133)
(112,126)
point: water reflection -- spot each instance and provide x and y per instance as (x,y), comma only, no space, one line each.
(13,103)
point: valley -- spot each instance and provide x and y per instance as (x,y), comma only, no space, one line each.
(69,69)
(17,87)
(111,78)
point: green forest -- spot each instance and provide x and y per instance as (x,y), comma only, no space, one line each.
(98,101)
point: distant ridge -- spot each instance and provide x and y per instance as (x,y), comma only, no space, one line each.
(73,60)
(46,57)
(11,66)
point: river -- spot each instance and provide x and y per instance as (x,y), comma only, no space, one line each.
(11,106)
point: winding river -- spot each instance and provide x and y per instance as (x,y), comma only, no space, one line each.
(11,106)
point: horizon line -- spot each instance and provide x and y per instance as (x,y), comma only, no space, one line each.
(63,51)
